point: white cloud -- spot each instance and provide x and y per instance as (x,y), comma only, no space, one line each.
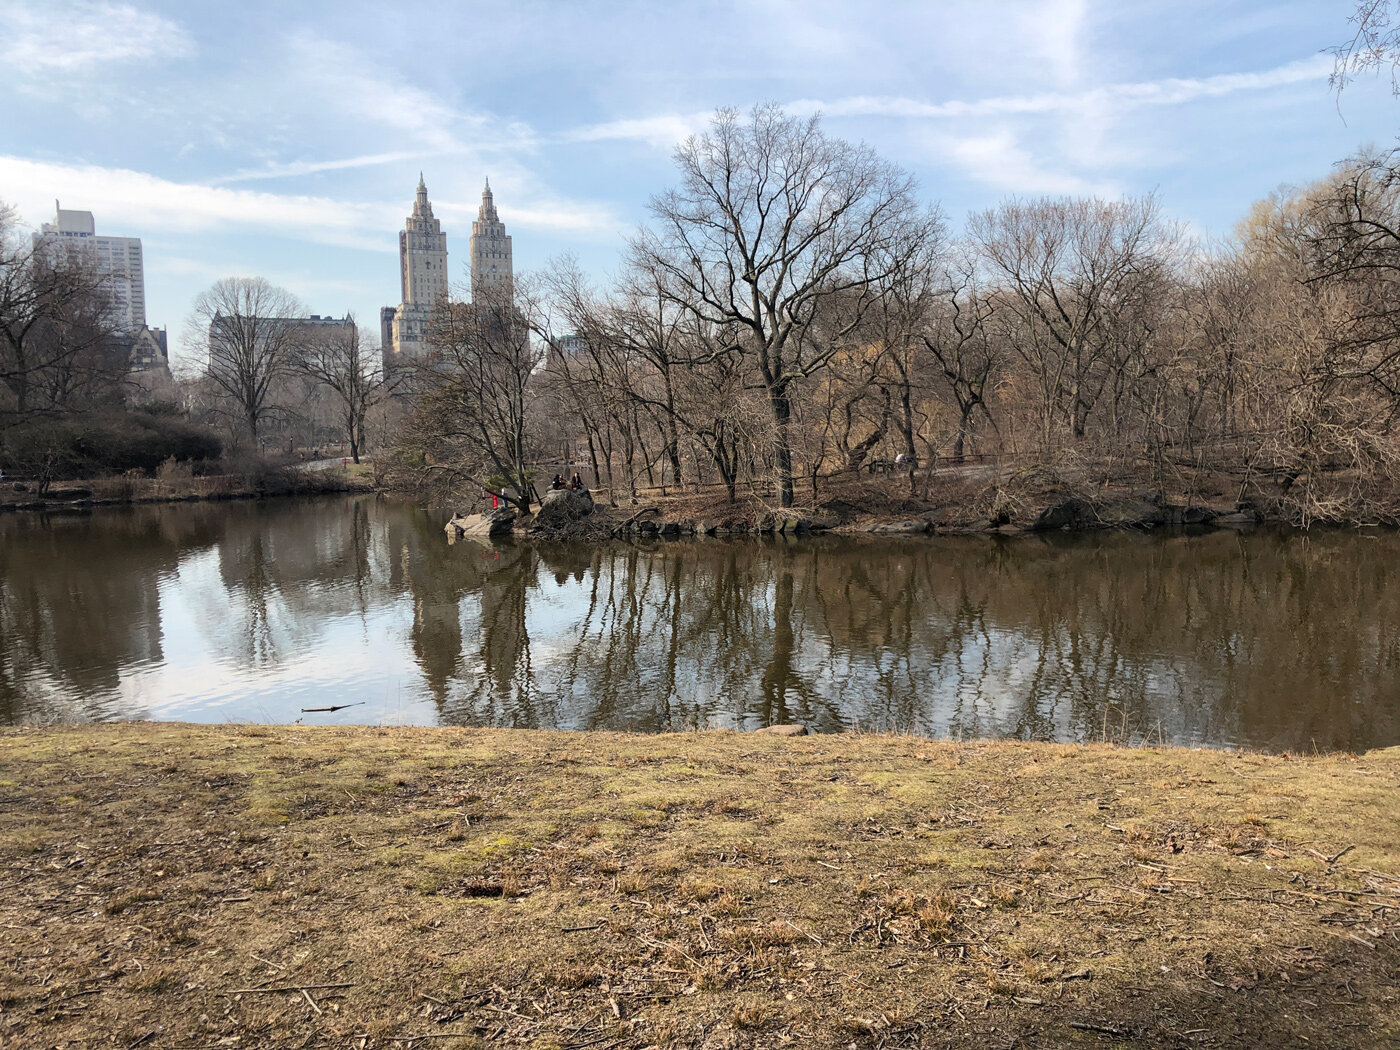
(664,131)
(1054,32)
(338,79)
(660,132)
(296,168)
(542,212)
(344,78)
(75,38)
(135,203)
(999,160)
(1166,92)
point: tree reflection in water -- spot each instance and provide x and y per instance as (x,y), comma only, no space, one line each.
(248,611)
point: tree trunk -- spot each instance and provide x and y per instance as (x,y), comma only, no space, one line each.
(964,424)
(782,446)
(673,439)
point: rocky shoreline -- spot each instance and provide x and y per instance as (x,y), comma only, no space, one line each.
(574,516)
(84,498)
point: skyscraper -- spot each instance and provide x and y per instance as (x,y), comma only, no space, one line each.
(117,261)
(490,247)
(423,277)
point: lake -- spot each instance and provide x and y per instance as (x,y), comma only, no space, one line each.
(252,612)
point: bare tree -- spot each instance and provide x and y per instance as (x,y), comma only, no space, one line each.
(1075,277)
(772,217)
(473,424)
(56,345)
(1374,44)
(339,360)
(253,342)
(961,346)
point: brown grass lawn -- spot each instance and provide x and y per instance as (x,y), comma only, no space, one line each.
(169,886)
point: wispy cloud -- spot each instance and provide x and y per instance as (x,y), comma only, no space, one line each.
(1167,92)
(130,201)
(660,132)
(1055,31)
(1000,160)
(665,130)
(297,168)
(531,210)
(74,38)
(340,79)
(133,201)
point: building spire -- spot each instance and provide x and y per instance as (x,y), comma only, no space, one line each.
(487,213)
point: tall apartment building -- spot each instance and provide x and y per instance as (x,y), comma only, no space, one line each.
(422,279)
(116,259)
(423,273)
(491,263)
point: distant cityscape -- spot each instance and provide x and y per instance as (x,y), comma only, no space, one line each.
(423,271)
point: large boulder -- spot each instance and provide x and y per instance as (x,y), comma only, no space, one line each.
(793,524)
(497,523)
(561,506)
(1071,513)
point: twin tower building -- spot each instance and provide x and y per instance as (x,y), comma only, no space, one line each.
(423,272)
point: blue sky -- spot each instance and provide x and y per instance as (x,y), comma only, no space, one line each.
(285,139)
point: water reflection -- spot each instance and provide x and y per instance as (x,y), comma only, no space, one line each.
(254,611)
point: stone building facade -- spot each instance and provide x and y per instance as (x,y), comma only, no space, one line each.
(422,279)
(491,263)
(423,276)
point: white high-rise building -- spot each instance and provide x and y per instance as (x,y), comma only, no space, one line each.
(116,259)
(490,247)
(423,278)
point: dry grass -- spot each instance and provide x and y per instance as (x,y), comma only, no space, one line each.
(492,888)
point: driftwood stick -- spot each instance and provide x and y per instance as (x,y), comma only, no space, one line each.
(297,988)
(334,707)
(1085,1026)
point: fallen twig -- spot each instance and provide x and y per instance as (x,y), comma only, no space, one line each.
(1085,1026)
(333,707)
(810,936)
(298,988)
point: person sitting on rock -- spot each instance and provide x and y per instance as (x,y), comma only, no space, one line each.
(558,482)
(576,482)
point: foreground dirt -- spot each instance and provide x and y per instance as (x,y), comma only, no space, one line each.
(169,886)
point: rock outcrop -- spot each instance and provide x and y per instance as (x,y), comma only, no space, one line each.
(495,524)
(562,506)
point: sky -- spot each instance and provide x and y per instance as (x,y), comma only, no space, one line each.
(285,140)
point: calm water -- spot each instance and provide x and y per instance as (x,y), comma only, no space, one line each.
(251,612)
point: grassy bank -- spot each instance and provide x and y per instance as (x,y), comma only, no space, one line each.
(179,886)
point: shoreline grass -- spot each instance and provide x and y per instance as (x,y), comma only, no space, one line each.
(172,885)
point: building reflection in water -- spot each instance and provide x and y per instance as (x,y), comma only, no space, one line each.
(254,611)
